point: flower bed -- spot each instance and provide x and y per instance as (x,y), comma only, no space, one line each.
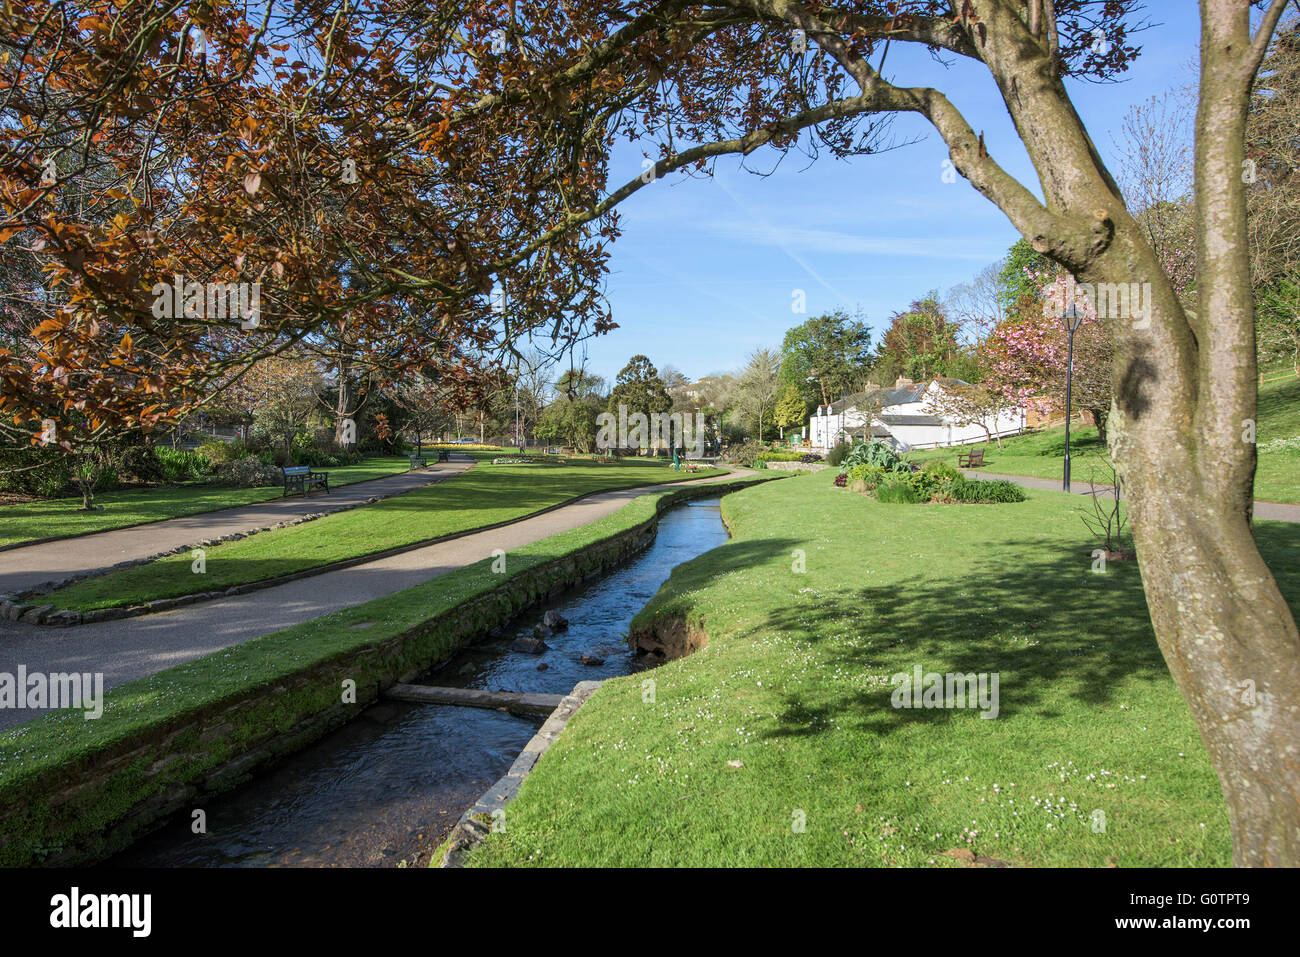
(881,473)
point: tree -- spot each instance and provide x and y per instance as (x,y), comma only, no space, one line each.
(639,389)
(492,160)
(1273,160)
(1278,319)
(822,356)
(281,393)
(571,421)
(729,80)
(790,407)
(976,306)
(1155,175)
(757,387)
(1026,359)
(579,384)
(1017,276)
(922,341)
(291,171)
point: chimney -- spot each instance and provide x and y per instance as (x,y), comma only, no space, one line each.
(904,383)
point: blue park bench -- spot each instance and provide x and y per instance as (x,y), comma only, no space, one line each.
(300,478)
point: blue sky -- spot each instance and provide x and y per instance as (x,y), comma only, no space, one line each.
(706,269)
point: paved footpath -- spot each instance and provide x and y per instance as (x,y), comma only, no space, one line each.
(1271,511)
(131,648)
(31,565)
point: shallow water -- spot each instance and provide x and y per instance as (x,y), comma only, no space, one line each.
(385,789)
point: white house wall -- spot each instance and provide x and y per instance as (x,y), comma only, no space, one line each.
(823,430)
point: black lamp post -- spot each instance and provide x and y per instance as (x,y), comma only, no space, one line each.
(1071,318)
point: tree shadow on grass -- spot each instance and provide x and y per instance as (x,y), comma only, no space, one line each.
(1056,634)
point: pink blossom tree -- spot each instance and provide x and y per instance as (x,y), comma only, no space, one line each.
(1025,358)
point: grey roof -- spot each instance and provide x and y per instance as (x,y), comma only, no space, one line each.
(890,397)
(879,398)
(911,420)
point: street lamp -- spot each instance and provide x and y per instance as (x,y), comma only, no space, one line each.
(1071,318)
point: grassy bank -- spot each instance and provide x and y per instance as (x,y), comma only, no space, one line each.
(485,495)
(786,715)
(1040,454)
(63,517)
(166,733)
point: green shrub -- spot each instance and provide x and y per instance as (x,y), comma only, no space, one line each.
(836,455)
(942,470)
(868,475)
(51,482)
(745,455)
(779,457)
(182,465)
(878,454)
(898,489)
(107,478)
(218,453)
(49,479)
(990,491)
(140,462)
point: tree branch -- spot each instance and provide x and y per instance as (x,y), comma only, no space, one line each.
(1263,36)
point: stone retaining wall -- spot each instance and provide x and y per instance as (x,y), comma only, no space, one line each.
(797,466)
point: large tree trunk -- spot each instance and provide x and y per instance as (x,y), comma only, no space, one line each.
(1181,429)
(1225,631)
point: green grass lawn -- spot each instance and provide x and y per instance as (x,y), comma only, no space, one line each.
(1040,454)
(485,495)
(62,517)
(786,715)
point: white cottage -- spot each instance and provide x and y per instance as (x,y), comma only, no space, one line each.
(903,417)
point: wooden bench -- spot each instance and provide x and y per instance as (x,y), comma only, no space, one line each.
(970,460)
(443,455)
(300,478)
(417,461)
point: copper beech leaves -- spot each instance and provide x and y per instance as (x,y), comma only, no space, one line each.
(118,275)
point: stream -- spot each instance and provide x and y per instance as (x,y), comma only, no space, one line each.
(385,789)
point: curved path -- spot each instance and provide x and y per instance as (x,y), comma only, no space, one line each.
(1270,511)
(31,565)
(134,647)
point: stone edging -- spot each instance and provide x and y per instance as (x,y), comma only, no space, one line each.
(797,466)
(20,609)
(477,822)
